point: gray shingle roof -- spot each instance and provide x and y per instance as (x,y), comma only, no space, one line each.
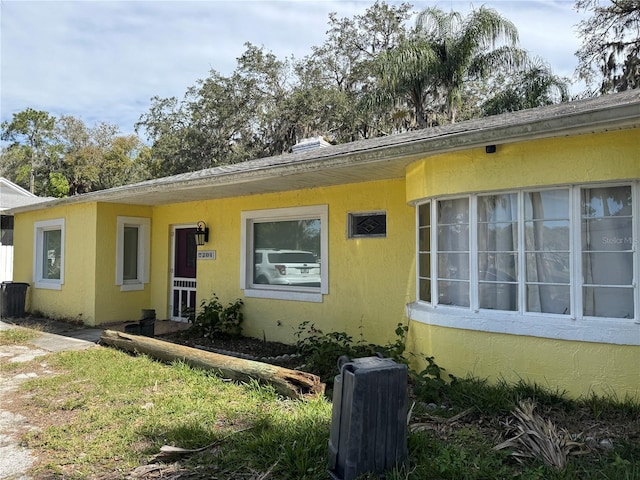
(12,195)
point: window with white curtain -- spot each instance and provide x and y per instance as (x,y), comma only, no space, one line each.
(497,246)
(453,252)
(566,251)
(607,252)
(546,250)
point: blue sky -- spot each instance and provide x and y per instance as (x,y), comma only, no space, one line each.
(104,60)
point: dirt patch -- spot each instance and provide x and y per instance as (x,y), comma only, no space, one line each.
(244,347)
(16,367)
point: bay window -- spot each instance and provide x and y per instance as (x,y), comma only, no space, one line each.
(564,253)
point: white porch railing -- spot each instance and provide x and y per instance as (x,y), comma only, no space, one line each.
(183,298)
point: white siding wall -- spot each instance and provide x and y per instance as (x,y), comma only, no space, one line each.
(6,263)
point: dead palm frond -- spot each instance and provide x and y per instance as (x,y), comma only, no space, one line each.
(539,438)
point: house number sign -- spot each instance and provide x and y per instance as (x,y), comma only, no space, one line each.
(206,254)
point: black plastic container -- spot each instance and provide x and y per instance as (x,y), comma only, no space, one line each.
(13,299)
(369,418)
(148,323)
(132,329)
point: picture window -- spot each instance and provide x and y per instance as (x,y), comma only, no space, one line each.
(284,253)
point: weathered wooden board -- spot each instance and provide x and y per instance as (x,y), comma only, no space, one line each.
(291,383)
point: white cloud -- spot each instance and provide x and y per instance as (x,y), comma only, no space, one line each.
(104,60)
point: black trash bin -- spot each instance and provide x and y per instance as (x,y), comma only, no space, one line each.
(148,323)
(369,418)
(13,297)
(133,329)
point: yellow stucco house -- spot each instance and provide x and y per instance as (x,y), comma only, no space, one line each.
(509,244)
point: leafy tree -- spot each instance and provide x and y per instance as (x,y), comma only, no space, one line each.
(15,165)
(406,79)
(167,126)
(78,155)
(267,105)
(32,134)
(352,44)
(610,51)
(222,119)
(57,186)
(62,156)
(122,162)
(97,158)
(265,83)
(345,61)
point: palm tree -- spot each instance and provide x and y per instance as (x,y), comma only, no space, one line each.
(406,75)
(533,86)
(445,50)
(467,48)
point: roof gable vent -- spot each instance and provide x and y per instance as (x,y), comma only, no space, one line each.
(310,143)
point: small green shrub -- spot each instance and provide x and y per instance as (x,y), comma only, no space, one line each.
(429,384)
(321,351)
(214,319)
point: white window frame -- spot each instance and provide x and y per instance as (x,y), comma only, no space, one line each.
(304,294)
(572,326)
(38,239)
(144,228)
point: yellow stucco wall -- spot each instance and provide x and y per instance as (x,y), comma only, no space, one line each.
(89,292)
(112,304)
(75,300)
(360,290)
(578,367)
(583,158)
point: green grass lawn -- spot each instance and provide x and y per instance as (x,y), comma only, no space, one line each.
(106,413)
(17,336)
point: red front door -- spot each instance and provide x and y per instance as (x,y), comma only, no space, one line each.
(183,281)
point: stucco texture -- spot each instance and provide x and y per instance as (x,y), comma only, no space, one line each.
(370,279)
(583,158)
(577,368)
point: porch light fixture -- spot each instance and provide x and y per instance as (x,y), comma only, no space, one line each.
(202,233)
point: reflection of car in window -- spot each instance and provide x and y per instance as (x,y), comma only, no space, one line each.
(286,267)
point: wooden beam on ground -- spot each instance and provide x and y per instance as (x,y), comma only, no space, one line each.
(291,383)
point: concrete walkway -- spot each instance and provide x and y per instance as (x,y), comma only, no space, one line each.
(53,336)
(15,460)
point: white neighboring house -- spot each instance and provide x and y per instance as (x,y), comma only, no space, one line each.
(11,196)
